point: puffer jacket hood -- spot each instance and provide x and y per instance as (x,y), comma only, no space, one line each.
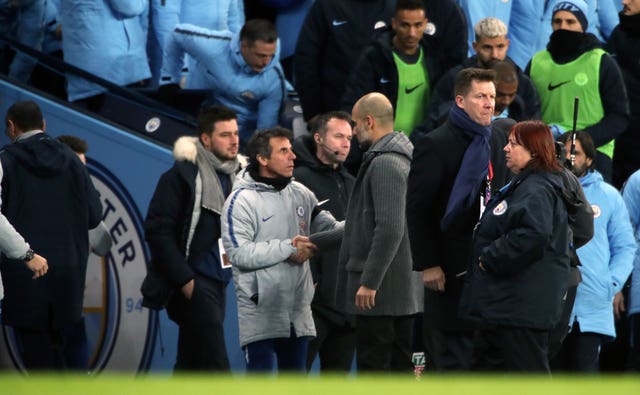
(185,149)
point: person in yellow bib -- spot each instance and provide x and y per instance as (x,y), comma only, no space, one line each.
(575,65)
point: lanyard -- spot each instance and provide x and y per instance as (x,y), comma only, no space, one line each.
(487,191)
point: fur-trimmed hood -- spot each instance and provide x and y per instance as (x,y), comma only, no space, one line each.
(185,149)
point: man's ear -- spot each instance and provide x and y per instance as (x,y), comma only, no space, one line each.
(44,125)
(317,138)
(261,160)
(11,130)
(589,162)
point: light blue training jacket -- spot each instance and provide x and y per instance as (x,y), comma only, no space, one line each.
(213,15)
(631,194)
(606,260)
(22,21)
(105,38)
(255,97)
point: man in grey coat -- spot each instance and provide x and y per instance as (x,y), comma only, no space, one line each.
(380,287)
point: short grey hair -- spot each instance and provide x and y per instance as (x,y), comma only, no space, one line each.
(490,28)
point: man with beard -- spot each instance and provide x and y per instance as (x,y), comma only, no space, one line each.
(508,103)
(490,45)
(624,46)
(606,262)
(183,231)
(574,65)
(376,282)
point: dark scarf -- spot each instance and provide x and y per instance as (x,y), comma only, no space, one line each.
(630,24)
(473,168)
(279,183)
(565,45)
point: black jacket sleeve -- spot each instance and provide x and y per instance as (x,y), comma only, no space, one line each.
(423,221)
(578,209)
(614,101)
(164,228)
(308,60)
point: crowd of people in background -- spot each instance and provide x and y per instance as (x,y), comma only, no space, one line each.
(426,210)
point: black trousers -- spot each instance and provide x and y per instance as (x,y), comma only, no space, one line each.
(511,349)
(580,352)
(334,344)
(63,349)
(449,350)
(634,329)
(201,334)
(383,343)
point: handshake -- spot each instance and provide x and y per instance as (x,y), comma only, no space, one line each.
(304,249)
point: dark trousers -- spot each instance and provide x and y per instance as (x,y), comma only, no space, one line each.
(201,334)
(291,354)
(511,349)
(64,349)
(383,343)
(449,350)
(580,352)
(634,329)
(335,344)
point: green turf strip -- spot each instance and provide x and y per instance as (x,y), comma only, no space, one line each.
(11,384)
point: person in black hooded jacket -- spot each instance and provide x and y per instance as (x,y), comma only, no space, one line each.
(318,165)
(49,198)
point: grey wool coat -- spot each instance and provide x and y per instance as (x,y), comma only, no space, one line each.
(375,250)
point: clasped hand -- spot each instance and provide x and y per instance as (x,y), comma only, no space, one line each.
(304,249)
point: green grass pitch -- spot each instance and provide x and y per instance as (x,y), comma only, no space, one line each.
(429,384)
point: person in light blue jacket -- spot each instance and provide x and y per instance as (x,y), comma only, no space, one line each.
(475,10)
(163,18)
(105,38)
(212,15)
(530,24)
(631,194)
(22,20)
(607,261)
(52,41)
(242,70)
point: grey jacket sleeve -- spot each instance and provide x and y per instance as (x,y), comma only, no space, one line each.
(239,228)
(100,239)
(12,244)
(329,236)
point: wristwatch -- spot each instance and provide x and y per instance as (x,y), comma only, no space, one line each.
(28,255)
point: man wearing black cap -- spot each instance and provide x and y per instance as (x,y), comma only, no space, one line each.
(575,65)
